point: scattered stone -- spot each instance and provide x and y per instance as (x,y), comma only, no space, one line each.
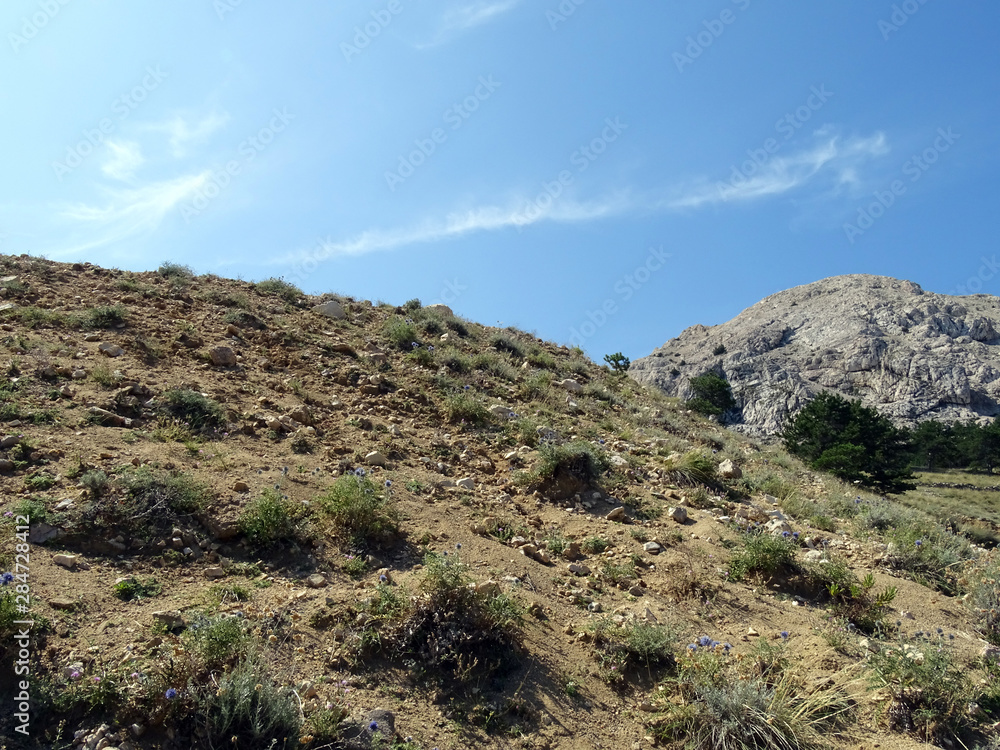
(241,487)
(572,551)
(467,483)
(652,548)
(331,309)
(111,350)
(376,459)
(570,385)
(578,569)
(6,465)
(215,572)
(303,416)
(222,356)
(751,631)
(65,561)
(636,591)
(440,309)
(618,514)
(729,470)
(678,514)
(316,581)
(109,418)
(63,602)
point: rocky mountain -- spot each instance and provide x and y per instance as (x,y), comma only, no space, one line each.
(912,354)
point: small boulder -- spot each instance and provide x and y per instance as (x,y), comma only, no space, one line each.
(570,385)
(316,581)
(618,514)
(729,470)
(331,309)
(169,619)
(440,309)
(303,416)
(65,561)
(63,602)
(376,459)
(678,514)
(111,350)
(222,356)
(241,487)
(215,572)
(652,548)
(467,483)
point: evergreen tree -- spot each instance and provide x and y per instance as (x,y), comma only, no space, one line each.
(852,442)
(712,395)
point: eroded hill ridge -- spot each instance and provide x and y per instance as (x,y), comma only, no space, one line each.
(320,522)
(910,353)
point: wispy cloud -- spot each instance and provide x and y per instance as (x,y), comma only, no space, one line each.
(123,159)
(839,159)
(182,132)
(126,213)
(461,18)
(482,219)
(832,162)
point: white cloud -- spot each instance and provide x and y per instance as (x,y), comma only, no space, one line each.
(467,16)
(780,174)
(181,132)
(124,159)
(834,160)
(126,214)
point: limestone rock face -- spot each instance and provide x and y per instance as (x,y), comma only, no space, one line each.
(913,355)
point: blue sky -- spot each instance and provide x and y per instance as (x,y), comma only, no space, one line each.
(599,173)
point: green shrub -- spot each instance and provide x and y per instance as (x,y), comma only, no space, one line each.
(33,508)
(267,520)
(454,634)
(507,345)
(279,288)
(360,513)
(982,581)
(202,414)
(617,362)
(852,599)
(465,407)
(635,644)
(249,709)
(133,588)
(455,361)
(95,482)
(725,703)
(105,376)
(170,270)
(401,334)
(693,467)
(579,459)
(929,691)
(105,317)
(763,554)
(494,364)
(223,593)
(180,493)
(594,545)
(39,482)
(218,640)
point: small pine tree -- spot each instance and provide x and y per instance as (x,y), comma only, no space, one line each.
(618,362)
(712,395)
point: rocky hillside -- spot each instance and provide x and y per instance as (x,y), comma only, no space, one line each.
(912,354)
(239,516)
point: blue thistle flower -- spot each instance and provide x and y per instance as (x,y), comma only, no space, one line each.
(692,647)
(373,727)
(171,694)
(918,542)
(704,641)
(784,635)
(6,578)
(388,483)
(383,578)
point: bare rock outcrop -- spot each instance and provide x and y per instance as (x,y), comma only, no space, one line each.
(913,355)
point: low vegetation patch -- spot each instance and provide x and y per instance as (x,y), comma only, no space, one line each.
(362,515)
